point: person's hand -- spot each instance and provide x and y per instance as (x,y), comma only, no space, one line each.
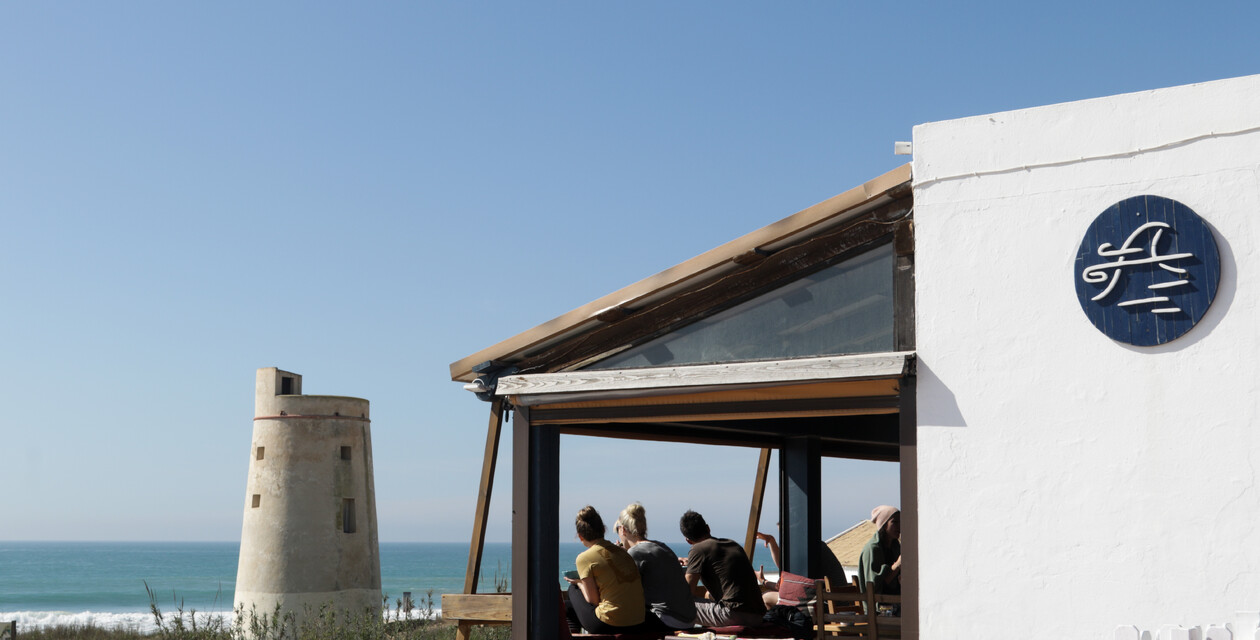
(682,562)
(569,580)
(766,539)
(761,573)
(896,565)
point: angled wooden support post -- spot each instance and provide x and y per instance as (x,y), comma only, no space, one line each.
(758,498)
(483,496)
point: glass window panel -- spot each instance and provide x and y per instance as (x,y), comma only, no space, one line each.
(845,308)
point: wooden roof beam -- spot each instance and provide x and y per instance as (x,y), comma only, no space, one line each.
(859,234)
(892,185)
(538,388)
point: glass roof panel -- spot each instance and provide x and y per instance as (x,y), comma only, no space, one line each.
(842,309)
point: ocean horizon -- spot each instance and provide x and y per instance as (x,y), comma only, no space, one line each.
(104,583)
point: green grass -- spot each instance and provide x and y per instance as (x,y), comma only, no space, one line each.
(403,621)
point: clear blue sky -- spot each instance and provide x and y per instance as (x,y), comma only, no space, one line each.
(365,192)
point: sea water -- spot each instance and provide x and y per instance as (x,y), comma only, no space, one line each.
(104,583)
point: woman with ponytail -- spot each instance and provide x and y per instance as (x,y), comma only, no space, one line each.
(607,596)
(664,587)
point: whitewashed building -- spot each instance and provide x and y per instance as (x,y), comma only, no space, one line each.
(1069,483)
(1048,320)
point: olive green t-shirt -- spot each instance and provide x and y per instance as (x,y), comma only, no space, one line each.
(620,590)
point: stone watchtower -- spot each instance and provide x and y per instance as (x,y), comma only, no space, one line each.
(309,534)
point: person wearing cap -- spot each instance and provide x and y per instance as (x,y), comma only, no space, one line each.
(880,562)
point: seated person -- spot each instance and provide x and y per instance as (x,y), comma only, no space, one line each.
(664,587)
(723,568)
(607,597)
(880,563)
(831,568)
(769,588)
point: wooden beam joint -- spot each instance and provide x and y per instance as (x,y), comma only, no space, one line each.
(751,257)
(903,237)
(613,314)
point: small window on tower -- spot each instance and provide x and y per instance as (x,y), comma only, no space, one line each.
(345,453)
(347,515)
(286,386)
(257,500)
(259,454)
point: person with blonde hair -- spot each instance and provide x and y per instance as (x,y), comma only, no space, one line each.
(607,596)
(664,587)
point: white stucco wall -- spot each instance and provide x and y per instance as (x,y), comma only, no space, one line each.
(1070,484)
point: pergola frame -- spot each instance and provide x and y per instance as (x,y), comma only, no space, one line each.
(802,443)
(806,408)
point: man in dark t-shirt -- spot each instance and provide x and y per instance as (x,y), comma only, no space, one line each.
(723,567)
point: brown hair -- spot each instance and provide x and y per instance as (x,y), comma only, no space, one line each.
(590,526)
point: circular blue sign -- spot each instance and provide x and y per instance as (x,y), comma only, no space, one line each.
(1147,270)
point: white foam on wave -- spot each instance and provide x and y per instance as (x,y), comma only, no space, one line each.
(138,621)
(142,622)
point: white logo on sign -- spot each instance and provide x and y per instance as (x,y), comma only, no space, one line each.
(1097,273)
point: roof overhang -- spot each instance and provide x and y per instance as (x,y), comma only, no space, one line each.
(848,403)
(586,386)
(693,273)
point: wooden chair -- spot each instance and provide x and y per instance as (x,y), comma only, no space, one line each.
(881,626)
(838,611)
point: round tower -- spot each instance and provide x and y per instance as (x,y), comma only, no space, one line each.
(309,534)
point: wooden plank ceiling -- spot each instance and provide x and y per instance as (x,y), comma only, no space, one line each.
(854,419)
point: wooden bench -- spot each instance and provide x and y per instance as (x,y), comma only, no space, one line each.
(476,609)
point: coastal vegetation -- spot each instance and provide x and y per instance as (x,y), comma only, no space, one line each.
(436,629)
(403,621)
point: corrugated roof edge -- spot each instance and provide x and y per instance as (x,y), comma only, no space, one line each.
(576,321)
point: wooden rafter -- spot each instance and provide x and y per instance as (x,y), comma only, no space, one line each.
(758,498)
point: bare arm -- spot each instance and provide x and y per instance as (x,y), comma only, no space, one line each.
(773,546)
(693,581)
(590,590)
